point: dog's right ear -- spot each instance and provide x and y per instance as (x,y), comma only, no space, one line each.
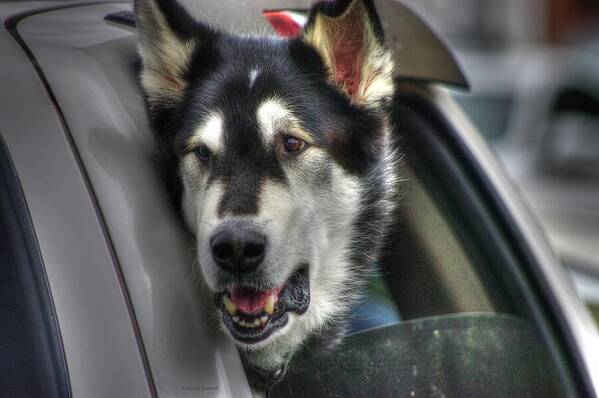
(167,39)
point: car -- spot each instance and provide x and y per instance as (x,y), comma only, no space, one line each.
(100,295)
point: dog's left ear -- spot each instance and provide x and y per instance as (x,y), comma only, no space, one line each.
(349,37)
(167,39)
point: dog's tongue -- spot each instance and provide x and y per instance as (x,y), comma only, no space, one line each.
(251,301)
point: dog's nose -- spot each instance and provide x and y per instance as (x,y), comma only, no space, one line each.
(238,249)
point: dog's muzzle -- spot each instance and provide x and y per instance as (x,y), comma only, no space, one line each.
(253,315)
(253,310)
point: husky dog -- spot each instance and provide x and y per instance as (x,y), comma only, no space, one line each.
(279,154)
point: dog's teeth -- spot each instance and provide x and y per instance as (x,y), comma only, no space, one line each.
(236,319)
(263,319)
(269,308)
(256,322)
(229,305)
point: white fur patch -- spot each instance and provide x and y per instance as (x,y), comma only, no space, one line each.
(210,133)
(209,208)
(253,75)
(207,217)
(188,208)
(272,116)
(275,203)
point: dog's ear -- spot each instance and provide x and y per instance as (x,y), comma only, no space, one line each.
(349,37)
(167,39)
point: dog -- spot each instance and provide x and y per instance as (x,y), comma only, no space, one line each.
(279,155)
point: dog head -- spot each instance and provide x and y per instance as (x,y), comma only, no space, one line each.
(279,152)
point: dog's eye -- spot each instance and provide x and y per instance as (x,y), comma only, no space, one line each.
(293,144)
(203,153)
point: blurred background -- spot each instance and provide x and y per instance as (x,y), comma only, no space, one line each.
(533,67)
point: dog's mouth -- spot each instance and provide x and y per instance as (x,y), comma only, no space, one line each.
(253,315)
